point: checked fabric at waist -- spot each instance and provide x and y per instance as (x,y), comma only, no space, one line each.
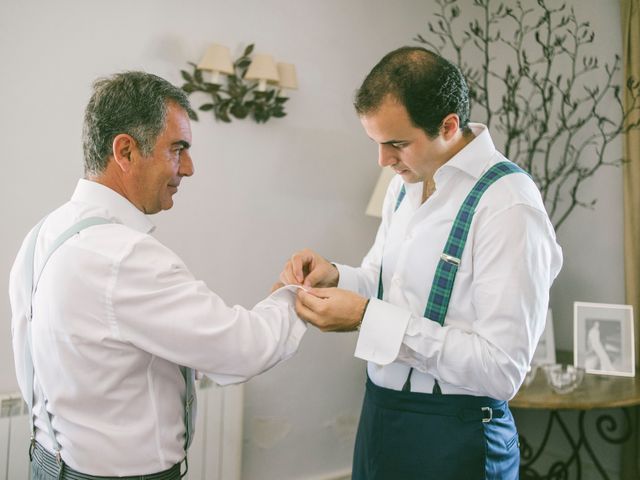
(47,464)
(467,408)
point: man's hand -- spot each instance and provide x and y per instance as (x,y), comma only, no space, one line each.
(331,309)
(308,268)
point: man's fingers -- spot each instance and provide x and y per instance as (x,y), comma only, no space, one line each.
(313,278)
(300,265)
(305,312)
(310,300)
(312,308)
(321,292)
(288,275)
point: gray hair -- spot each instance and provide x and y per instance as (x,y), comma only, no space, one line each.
(134,103)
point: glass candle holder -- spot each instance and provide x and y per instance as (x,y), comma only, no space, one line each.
(563,378)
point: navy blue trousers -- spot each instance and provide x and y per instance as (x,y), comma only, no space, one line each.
(407,436)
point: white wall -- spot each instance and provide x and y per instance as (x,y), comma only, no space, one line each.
(592,240)
(259,193)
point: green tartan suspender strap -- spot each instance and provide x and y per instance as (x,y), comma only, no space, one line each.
(447,268)
(442,286)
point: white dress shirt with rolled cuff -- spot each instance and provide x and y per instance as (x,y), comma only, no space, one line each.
(115,315)
(500,296)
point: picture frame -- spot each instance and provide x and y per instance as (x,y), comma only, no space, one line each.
(604,338)
(545,353)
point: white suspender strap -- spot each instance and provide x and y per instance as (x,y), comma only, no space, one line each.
(190,405)
(31,285)
(28,361)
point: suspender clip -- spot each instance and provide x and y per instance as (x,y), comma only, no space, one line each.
(32,446)
(449,259)
(488,414)
(186,467)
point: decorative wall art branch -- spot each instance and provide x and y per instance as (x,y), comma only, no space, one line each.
(557,108)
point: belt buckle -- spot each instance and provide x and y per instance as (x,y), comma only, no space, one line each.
(489,411)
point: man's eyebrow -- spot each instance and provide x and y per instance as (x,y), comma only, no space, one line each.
(389,142)
(182,143)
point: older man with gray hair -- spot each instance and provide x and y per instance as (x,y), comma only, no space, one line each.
(108,324)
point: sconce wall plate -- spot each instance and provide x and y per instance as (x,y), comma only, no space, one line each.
(253,88)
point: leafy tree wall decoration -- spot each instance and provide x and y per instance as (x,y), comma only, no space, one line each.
(557,108)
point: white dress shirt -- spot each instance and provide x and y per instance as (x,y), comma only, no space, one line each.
(115,315)
(500,296)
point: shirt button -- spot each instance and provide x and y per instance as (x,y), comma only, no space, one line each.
(396,280)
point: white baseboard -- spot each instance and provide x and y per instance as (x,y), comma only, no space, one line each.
(344,474)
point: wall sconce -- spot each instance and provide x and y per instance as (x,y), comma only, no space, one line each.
(254,87)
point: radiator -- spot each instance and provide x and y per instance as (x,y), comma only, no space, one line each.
(215,453)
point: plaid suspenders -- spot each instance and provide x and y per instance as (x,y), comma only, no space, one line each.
(442,286)
(447,269)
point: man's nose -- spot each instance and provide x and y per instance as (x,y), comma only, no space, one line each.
(386,155)
(186,164)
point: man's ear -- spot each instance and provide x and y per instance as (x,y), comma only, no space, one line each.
(450,126)
(123,146)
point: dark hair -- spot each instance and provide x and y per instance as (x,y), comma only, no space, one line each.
(134,103)
(428,86)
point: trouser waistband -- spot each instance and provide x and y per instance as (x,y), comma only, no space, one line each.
(465,407)
(48,463)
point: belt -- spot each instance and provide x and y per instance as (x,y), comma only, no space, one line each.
(48,463)
(467,408)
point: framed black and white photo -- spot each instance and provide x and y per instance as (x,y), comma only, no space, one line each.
(545,353)
(604,338)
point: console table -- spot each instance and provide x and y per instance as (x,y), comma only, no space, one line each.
(597,392)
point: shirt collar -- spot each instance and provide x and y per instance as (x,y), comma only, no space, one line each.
(117,206)
(476,155)
(473,160)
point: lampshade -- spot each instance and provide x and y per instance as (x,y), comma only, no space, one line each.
(288,77)
(374,208)
(217,59)
(263,69)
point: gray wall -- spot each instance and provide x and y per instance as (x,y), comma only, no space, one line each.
(260,191)
(593,239)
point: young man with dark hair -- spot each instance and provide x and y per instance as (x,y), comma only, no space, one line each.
(452,297)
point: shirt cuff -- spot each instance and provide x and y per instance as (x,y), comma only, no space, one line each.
(348,279)
(381,332)
(287,295)
(298,330)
